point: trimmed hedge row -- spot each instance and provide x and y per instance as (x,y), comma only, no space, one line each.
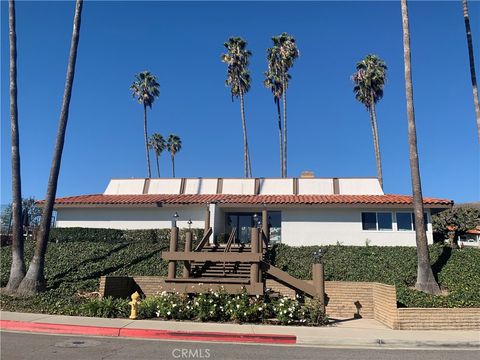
(107,235)
(458,271)
(76,258)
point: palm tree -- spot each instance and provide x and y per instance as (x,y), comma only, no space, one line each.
(473,77)
(157,143)
(273,81)
(174,145)
(281,58)
(34,280)
(238,79)
(145,88)
(17,269)
(369,80)
(425,279)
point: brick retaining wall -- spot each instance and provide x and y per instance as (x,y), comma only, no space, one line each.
(439,318)
(345,300)
(385,304)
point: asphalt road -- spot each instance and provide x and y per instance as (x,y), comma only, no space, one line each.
(16,346)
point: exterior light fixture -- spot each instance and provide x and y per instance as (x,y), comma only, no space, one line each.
(189,222)
(174,221)
(318,255)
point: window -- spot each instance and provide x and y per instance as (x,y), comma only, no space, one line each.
(406,221)
(377,221)
(384,221)
(369,221)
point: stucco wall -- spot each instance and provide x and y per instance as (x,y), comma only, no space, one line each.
(321,226)
(129,218)
(300,226)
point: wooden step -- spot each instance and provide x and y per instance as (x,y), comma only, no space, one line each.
(209,280)
(239,276)
(219,264)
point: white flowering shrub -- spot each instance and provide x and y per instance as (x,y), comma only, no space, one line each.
(211,306)
(288,311)
(242,308)
(174,306)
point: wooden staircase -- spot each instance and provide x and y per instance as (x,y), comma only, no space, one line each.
(234,267)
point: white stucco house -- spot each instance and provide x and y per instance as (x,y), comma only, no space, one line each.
(301,211)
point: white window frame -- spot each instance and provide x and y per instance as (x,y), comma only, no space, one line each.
(412,220)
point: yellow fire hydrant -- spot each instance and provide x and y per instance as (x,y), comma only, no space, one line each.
(134,305)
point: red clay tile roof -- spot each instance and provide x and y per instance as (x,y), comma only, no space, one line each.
(99,199)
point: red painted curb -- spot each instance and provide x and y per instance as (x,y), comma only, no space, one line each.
(146,333)
(58,328)
(209,336)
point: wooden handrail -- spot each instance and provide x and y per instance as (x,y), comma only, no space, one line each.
(204,240)
(288,280)
(233,233)
(229,245)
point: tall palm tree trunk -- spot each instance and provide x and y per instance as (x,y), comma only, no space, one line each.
(249,162)
(158,166)
(425,279)
(145,133)
(17,269)
(376,143)
(245,144)
(284,83)
(34,280)
(466,17)
(173,165)
(280,136)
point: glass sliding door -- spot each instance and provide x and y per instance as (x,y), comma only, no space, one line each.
(243,222)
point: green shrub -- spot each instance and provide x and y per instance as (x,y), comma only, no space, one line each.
(174,306)
(211,306)
(147,308)
(287,311)
(106,308)
(312,312)
(74,265)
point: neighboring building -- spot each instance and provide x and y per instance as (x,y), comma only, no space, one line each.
(472,237)
(301,211)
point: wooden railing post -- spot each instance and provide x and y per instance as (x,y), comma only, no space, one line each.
(188,248)
(173,248)
(255,249)
(207,219)
(265,225)
(318,275)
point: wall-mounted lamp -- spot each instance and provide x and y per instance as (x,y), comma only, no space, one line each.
(175,217)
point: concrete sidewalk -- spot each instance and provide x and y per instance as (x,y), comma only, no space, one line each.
(344,333)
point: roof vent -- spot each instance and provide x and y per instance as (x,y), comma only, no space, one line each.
(307,174)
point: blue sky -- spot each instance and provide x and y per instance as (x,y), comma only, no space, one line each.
(329,131)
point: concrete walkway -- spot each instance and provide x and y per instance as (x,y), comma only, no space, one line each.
(345,333)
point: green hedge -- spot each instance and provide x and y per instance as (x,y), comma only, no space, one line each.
(106,235)
(76,258)
(458,271)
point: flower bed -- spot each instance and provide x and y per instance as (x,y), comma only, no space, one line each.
(216,306)
(242,308)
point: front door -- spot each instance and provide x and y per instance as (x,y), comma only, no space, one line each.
(243,222)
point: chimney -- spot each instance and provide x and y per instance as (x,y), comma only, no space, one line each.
(307,174)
